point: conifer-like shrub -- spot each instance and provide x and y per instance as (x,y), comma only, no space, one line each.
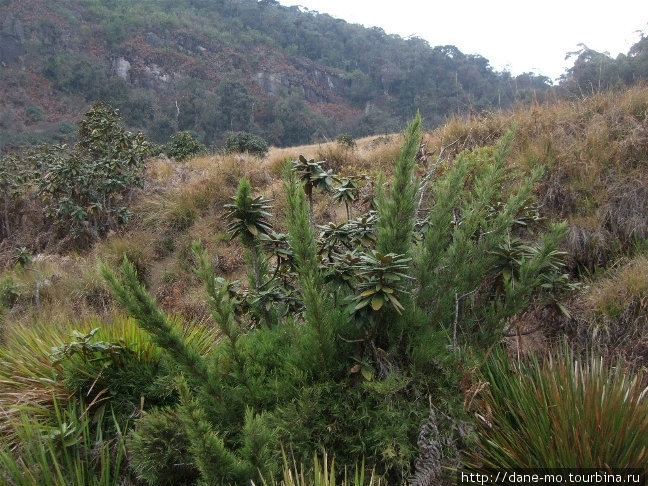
(339,339)
(159,450)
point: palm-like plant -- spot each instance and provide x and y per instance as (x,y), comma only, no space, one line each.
(381,280)
(248,219)
(313,176)
(347,193)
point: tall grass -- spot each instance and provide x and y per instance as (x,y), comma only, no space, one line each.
(323,473)
(562,413)
(73,450)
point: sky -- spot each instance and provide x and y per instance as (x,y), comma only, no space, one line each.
(514,35)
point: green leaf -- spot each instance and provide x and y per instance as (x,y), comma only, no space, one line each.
(361,304)
(377,302)
(367,374)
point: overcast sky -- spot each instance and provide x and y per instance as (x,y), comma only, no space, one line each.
(516,35)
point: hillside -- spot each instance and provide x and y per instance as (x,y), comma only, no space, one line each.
(228,65)
(406,343)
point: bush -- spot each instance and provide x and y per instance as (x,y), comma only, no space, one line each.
(346,140)
(72,450)
(242,142)
(159,450)
(87,189)
(184,145)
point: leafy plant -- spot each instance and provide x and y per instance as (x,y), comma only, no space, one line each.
(347,193)
(313,176)
(74,450)
(346,140)
(86,190)
(381,279)
(184,145)
(248,219)
(242,142)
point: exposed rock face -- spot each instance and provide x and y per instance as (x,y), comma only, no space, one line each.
(313,82)
(122,68)
(146,75)
(11,40)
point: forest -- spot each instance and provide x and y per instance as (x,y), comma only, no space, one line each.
(217,67)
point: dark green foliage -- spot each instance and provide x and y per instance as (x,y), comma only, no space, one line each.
(313,176)
(9,292)
(302,240)
(397,212)
(99,371)
(74,449)
(15,176)
(347,193)
(86,189)
(159,450)
(248,219)
(184,145)
(352,367)
(130,293)
(381,280)
(459,260)
(594,71)
(217,464)
(242,142)
(346,140)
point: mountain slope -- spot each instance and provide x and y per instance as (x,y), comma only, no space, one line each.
(228,65)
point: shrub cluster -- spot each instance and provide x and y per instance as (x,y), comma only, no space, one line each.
(184,145)
(242,142)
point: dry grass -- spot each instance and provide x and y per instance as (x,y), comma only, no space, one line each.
(595,152)
(614,313)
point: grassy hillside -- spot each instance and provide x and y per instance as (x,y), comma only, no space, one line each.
(405,389)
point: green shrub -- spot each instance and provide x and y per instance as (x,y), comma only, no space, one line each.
(242,142)
(159,450)
(34,113)
(346,140)
(352,378)
(86,190)
(562,412)
(9,292)
(184,145)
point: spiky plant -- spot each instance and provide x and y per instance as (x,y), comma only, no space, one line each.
(313,176)
(248,219)
(562,413)
(347,192)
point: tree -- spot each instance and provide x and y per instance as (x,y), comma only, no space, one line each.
(87,189)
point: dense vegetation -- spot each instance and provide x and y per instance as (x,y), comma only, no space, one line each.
(479,301)
(217,67)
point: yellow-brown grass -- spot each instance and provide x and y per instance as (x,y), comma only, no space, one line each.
(613,314)
(595,152)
